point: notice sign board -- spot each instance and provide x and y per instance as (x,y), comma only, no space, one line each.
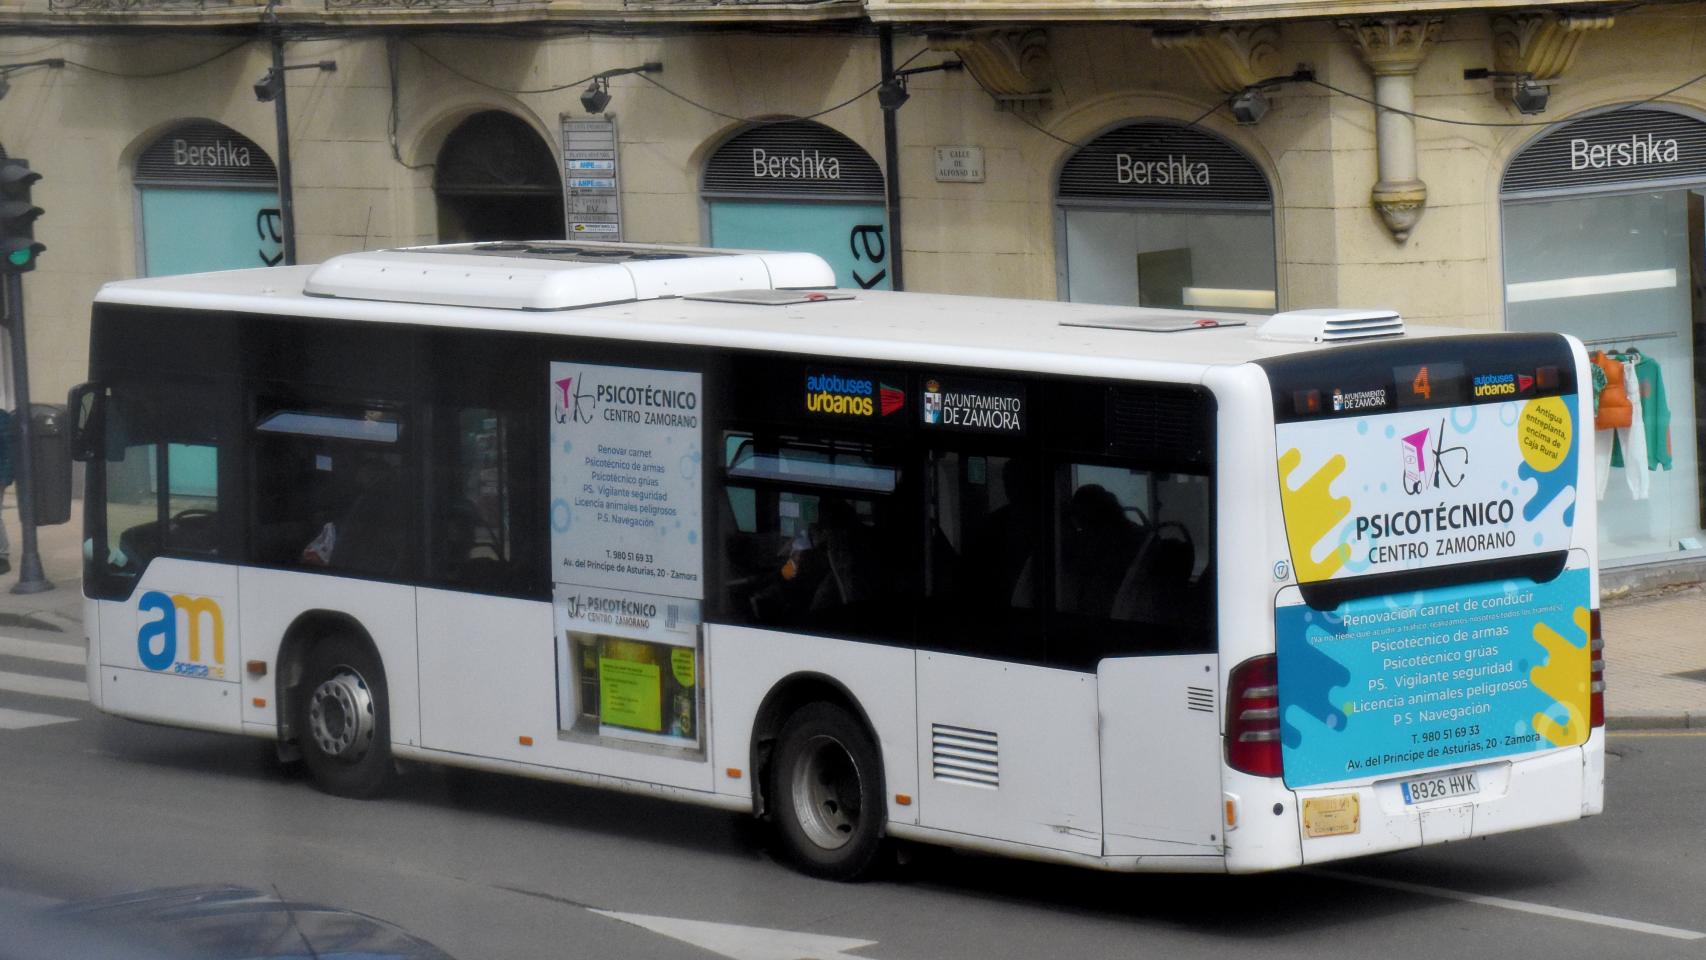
(626,550)
(592,196)
(625,479)
(959,164)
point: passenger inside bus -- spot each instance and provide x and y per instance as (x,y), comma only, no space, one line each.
(1099,547)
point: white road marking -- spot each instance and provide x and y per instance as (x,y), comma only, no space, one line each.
(23,719)
(44,686)
(746,943)
(1580,916)
(41,650)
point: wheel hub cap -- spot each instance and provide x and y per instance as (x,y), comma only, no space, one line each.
(340,716)
(826,793)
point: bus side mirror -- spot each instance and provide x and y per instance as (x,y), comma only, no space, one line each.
(86,409)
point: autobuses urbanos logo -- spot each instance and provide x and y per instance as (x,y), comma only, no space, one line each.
(178,628)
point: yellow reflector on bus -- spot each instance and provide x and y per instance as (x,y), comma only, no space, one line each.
(1334,816)
(525,741)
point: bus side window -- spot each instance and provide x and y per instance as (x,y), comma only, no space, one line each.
(329,489)
(982,554)
(161,477)
(1132,554)
(803,537)
(473,540)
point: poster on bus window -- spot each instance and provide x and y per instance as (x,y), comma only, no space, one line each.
(1448,676)
(1397,491)
(626,468)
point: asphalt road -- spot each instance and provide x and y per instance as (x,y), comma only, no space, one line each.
(496,867)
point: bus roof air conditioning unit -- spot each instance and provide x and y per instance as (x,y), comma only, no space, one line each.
(1331,325)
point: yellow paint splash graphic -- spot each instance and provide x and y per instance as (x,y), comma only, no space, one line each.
(1311,513)
(1565,678)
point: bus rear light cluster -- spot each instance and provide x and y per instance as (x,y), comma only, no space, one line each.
(1596,671)
(1252,717)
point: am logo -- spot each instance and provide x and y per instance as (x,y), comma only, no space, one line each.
(180,618)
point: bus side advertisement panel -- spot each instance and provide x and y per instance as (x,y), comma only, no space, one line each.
(1448,676)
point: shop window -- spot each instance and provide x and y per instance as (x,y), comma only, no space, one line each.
(1614,252)
(1157,214)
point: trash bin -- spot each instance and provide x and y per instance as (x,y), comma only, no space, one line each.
(50,450)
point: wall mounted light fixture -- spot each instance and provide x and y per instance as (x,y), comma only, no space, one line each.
(595,99)
(1527,94)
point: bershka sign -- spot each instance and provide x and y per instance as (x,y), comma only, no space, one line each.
(804,165)
(222,153)
(1638,150)
(1170,171)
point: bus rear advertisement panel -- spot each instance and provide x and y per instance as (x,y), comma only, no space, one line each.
(1429,673)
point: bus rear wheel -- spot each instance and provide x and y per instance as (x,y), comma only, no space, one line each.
(343,719)
(826,790)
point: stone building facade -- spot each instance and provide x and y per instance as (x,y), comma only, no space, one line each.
(1089,149)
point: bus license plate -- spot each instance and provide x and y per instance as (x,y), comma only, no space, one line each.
(1441,787)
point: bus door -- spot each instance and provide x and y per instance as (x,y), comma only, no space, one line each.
(1011,739)
(1133,600)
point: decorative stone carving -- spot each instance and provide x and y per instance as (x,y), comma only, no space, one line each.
(1543,44)
(1229,58)
(1400,206)
(1013,65)
(1392,46)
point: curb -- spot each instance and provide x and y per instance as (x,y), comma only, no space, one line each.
(1657,720)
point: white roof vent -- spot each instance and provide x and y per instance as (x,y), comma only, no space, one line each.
(1331,325)
(557,275)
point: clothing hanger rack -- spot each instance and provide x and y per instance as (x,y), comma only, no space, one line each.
(1632,337)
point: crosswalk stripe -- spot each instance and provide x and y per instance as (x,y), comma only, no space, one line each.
(43,686)
(23,719)
(41,650)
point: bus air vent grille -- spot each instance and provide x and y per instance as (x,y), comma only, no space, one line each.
(1330,325)
(1200,699)
(1174,425)
(964,755)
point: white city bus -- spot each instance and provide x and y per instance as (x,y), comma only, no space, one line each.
(1127,588)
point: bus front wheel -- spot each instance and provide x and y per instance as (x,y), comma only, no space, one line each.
(826,790)
(343,719)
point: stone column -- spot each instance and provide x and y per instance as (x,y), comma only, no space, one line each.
(1393,49)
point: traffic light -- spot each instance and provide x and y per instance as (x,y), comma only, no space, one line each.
(18,246)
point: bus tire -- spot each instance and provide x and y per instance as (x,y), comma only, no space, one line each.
(827,794)
(344,719)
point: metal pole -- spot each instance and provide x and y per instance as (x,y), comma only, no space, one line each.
(281,115)
(31,579)
(891,158)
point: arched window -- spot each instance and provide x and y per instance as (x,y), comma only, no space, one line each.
(799,185)
(1159,214)
(1605,238)
(209,201)
(496,179)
